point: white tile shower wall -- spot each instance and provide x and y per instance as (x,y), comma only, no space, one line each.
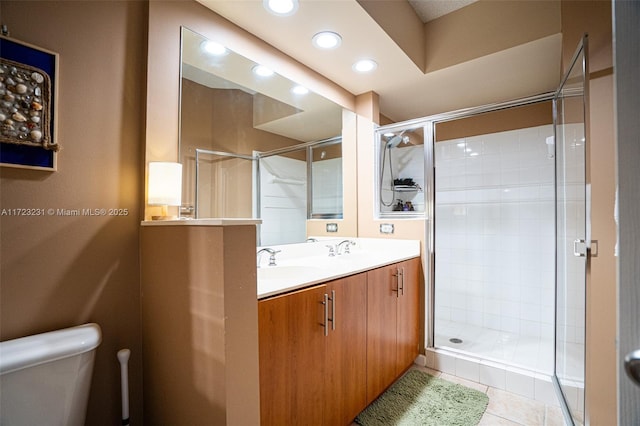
(283,200)
(327,186)
(407,162)
(495,231)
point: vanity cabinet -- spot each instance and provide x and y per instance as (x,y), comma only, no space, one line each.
(312,347)
(393,323)
(408,316)
(346,350)
(327,351)
(291,345)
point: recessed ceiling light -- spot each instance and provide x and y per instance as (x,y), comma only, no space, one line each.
(327,40)
(365,65)
(281,7)
(213,48)
(262,71)
(300,90)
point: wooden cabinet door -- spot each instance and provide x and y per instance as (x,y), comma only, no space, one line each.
(346,351)
(381,329)
(292,353)
(408,327)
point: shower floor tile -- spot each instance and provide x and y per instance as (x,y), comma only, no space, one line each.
(532,353)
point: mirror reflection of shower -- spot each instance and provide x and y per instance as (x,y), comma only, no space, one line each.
(401,171)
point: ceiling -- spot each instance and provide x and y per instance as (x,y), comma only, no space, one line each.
(428,10)
(405,90)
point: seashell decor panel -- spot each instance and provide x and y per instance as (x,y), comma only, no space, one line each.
(25,105)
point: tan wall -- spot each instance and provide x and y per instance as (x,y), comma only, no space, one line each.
(330,152)
(400,21)
(472,32)
(163,65)
(368,115)
(594,17)
(504,120)
(62,271)
(223,120)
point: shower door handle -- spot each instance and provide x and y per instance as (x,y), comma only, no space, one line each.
(632,366)
(577,253)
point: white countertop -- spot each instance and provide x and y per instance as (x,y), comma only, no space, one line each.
(303,265)
(203,222)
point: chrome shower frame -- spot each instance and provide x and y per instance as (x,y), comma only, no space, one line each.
(429,125)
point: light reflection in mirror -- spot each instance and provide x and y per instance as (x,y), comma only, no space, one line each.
(228,109)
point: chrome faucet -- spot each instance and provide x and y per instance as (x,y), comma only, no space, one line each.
(312,240)
(332,249)
(272,256)
(347,244)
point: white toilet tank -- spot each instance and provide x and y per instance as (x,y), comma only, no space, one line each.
(45,378)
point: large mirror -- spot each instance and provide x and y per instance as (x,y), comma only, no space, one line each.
(247,132)
(295,184)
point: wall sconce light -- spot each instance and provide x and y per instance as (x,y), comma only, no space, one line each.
(165,187)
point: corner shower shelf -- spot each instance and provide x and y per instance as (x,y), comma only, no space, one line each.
(407,188)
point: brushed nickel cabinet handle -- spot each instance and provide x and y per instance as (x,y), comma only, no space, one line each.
(325,302)
(399,287)
(397,290)
(333,309)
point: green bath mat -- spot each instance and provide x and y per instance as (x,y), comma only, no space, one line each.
(419,399)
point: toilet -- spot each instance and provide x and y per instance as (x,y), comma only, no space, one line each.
(45,378)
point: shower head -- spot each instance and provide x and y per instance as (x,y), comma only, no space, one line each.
(395,140)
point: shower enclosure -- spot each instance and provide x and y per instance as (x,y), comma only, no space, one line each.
(494,236)
(573,235)
(504,191)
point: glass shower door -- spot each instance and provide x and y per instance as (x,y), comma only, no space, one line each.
(572,235)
